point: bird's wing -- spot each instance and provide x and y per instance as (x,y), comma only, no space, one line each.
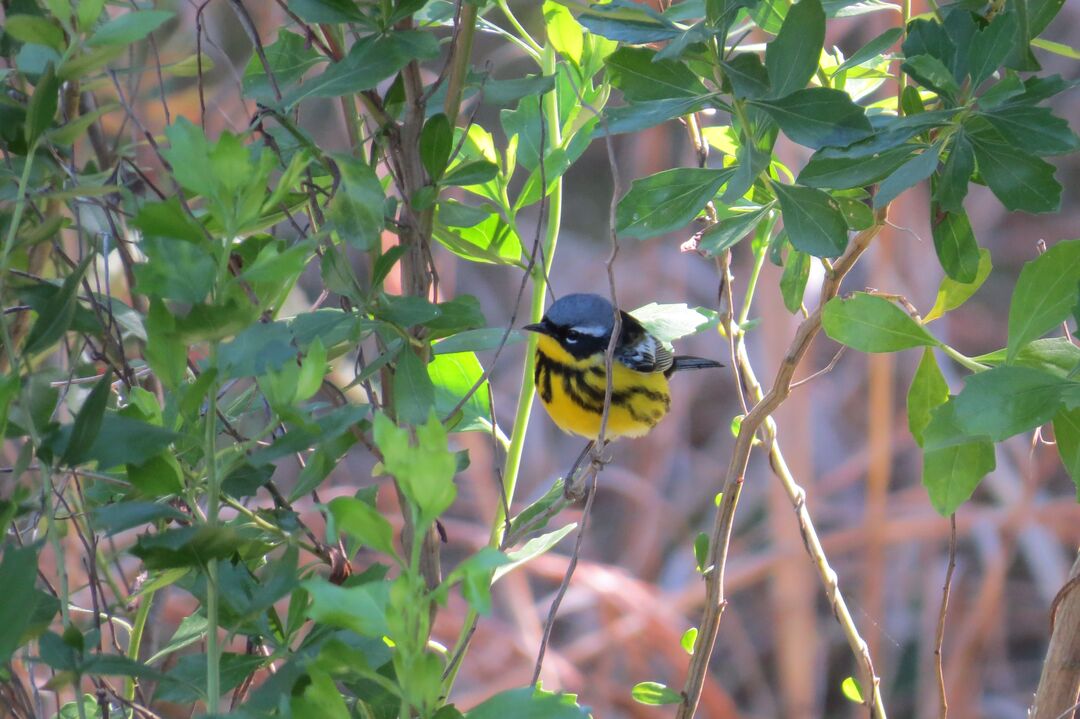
(639,350)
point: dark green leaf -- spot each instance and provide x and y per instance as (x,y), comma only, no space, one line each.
(954,242)
(869,323)
(893,133)
(928,390)
(478,340)
(871,50)
(123,440)
(327,11)
(991,46)
(841,173)
(818,116)
(186,681)
(932,73)
(176,270)
(792,58)
(257,349)
(953,464)
(1053,355)
(407,310)
(643,115)
(359,608)
(414,395)
(246,479)
(812,219)
(701,551)
(120,516)
(928,37)
(628,24)
(357,208)
(654,693)
(168,219)
(641,77)
(525,703)
(746,75)
(456,315)
(471,173)
(793,281)
(667,200)
(907,175)
(1035,129)
(951,184)
(1040,13)
(289,58)
(531,550)
(1020,180)
(436,142)
(1067,436)
(130,27)
(504,93)
(190,546)
(18,572)
(1045,294)
(951,294)
(88,422)
(42,107)
(369,62)
(56,317)
(1007,400)
(729,230)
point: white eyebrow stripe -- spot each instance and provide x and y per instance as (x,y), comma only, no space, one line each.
(592,330)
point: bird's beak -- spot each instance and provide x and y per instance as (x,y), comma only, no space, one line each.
(538,327)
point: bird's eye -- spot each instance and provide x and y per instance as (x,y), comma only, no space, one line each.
(572,336)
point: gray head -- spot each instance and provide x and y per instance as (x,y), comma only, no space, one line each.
(582,323)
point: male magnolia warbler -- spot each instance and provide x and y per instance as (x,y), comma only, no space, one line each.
(571,373)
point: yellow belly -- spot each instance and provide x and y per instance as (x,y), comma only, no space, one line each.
(572,392)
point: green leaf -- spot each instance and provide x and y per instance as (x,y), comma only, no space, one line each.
(414,395)
(18,573)
(370,61)
(88,422)
(478,340)
(360,520)
(563,31)
(728,231)
(991,46)
(793,281)
(176,270)
(851,690)
(746,75)
(928,390)
(453,375)
(426,470)
(950,186)
(1058,48)
(654,693)
(701,551)
(186,681)
(357,208)
(1005,401)
(812,219)
(954,241)
(907,175)
(1054,355)
(628,24)
(818,117)
(190,546)
(931,73)
(1067,436)
(525,703)
(35,29)
(327,11)
(870,50)
(642,115)
(669,322)
(471,173)
(869,323)
(130,27)
(953,464)
(43,104)
(123,440)
(667,201)
(289,57)
(115,518)
(689,638)
(641,77)
(1019,179)
(951,294)
(436,142)
(1035,129)
(56,316)
(1045,294)
(824,170)
(532,549)
(792,58)
(257,349)
(361,609)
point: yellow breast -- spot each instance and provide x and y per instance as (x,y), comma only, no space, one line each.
(572,391)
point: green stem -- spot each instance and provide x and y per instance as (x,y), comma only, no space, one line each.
(460,69)
(135,641)
(528,386)
(523,33)
(9,244)
(213,490)
(751,285)
(964,360)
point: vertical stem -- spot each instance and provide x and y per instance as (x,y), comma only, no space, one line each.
(460,69)
(135,642)
(213,488)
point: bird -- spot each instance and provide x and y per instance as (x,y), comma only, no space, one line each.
(571,369)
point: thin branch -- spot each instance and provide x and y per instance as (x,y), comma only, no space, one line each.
(940,636)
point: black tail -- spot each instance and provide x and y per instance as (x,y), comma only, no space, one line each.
(688,362)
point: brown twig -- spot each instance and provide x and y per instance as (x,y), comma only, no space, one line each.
(1059,684)
(939,638)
